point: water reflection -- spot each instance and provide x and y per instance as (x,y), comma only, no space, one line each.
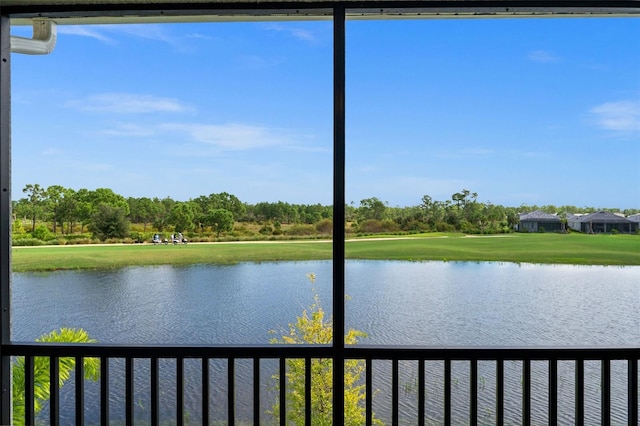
(396,303)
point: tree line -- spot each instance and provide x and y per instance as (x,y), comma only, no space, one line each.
(106,214)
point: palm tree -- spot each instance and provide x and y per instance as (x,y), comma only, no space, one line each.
(41,384)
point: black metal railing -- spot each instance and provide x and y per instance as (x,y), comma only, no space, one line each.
(537,372)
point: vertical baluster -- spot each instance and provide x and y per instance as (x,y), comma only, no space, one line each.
(129,390)
(605,390)
(283,392)
(29,409)
(205,392)
(307,391)
(79,391)
(256,391)
(632,391)
(500,392)
(553,392)
(180,391)
(369,388)
(155,391)
(579,392)
(421,386)
(526,392)
(54,397)
(473,393)
(447,392)
(104,390)
(395,399)
(231,390)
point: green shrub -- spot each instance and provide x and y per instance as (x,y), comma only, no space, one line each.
(266,230)
(60,241)
(375,226)
(240,231)
(325,226)
(71,237)
(416,226)
(302,230)
(27,242)
(42,233)
(315,327)
(468,228)
(17,227)
(444,227)
(389,225)
(137,237)
(370,226)
(75,241)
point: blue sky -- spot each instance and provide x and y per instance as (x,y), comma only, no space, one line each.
(520,111)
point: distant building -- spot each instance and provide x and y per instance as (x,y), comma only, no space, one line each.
(539,221)
(602,222)
(634,218)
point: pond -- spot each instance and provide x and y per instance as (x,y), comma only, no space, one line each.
(395,303)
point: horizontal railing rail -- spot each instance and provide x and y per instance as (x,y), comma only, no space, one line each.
(166,351)
(380,361)
(323,351)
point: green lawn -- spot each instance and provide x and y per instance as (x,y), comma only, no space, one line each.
(528,248)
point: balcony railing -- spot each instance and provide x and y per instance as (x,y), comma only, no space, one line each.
(390,362)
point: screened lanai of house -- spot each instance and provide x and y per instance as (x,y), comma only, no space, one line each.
(73,12)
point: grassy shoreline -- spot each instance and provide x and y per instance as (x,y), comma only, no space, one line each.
(518,248)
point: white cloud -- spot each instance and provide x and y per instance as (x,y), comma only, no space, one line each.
(296,32)
(154,32)
(233,136)
(620,116)
(198,36)
(301,34)
(112,33)
(90,31)
(543,56)
(130,130)
(149,31)
(128,103)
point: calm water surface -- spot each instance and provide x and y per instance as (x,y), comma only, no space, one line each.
(396,303)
